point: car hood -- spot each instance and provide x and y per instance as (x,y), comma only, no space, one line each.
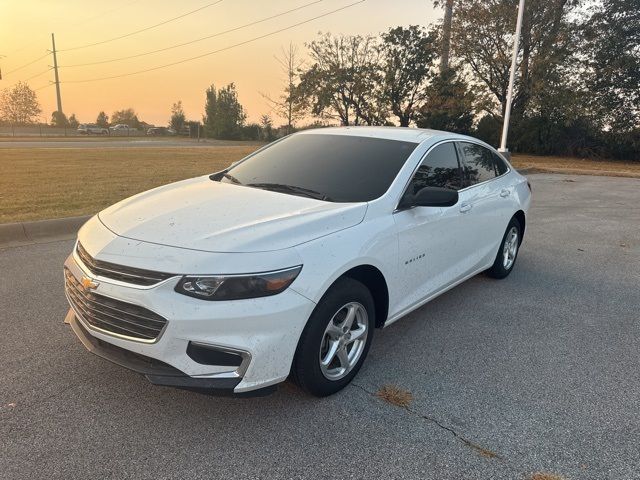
(202,214)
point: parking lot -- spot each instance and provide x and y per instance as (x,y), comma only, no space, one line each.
(536,373)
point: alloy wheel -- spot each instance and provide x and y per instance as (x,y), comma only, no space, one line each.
(510,248)
(343,341)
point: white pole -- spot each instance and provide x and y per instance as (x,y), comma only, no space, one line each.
(512,74)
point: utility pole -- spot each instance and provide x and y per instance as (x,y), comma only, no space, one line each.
(514,59)
(55,69)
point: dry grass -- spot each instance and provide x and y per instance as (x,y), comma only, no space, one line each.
(485,452)
(576,166)
(395,396)
(545,476)
(39,183)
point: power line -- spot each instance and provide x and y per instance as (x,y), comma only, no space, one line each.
(43,86)
(142,29)
(37,74)
(32,77)
(193,41)
(219,50)
(27,64)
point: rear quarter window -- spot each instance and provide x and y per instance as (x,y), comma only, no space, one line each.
(501,165)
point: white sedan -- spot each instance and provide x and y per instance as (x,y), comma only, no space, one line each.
(285,263)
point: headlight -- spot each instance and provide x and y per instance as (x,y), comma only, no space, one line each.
(237,287)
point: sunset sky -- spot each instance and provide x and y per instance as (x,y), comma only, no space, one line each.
(25,35)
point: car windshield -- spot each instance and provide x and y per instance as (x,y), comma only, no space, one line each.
(338,168)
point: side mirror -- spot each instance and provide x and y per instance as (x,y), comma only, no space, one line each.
(435,197)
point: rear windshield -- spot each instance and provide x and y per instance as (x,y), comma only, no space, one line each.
(337,168)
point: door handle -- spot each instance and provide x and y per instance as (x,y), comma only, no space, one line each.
(465,207)
(505,192)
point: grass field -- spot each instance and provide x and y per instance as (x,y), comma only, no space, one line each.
(576,166)
(40,183)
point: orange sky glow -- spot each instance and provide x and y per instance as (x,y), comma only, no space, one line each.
(26,27)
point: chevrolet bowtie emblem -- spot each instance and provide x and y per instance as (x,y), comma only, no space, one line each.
(89,283)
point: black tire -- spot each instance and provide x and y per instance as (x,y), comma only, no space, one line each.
(306,370)
(501,268)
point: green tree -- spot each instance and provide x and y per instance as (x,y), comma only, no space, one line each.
(407,55)
(612,45)
(449,104)
(344,81)
(482,40)
(251,131)
(178,119)
(224,115)
(19,104)
(127,116)
(59,119)
(102,120)
(266,128)
(73,121)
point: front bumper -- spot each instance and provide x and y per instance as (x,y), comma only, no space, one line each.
(158,373)
(266,331)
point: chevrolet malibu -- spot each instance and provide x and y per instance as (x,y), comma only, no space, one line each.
(285,263)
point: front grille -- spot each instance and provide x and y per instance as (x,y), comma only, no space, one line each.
(137,276)
(111,315)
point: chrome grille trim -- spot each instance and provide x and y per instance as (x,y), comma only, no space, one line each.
(111,316)
(136,276)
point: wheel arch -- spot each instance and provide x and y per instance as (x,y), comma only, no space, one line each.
(522,220)
(372,278)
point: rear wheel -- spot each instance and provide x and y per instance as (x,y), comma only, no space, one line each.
(336,340)
(508,251)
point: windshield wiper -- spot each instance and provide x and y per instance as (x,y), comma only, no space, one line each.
(232,178)
(224,174)
(295,190)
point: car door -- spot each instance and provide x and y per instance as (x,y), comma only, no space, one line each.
(484,200)
(433,242)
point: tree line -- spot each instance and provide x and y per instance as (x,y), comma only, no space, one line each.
(19,105)
(126,116)
(577,88)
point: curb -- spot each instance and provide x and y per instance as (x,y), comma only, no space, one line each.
(42,231)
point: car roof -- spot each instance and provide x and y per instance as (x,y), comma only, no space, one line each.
(403,134)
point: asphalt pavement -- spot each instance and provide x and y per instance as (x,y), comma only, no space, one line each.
(539,372)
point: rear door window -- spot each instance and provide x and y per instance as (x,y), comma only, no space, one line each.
(478,163)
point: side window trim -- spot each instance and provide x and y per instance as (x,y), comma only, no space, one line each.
(422,159)
(461,163)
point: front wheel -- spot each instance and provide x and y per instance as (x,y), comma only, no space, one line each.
(508,251)
(336,340)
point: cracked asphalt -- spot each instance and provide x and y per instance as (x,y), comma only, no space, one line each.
(536,373)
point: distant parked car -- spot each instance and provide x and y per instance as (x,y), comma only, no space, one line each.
(92,128)
(160,131)
(120,128)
